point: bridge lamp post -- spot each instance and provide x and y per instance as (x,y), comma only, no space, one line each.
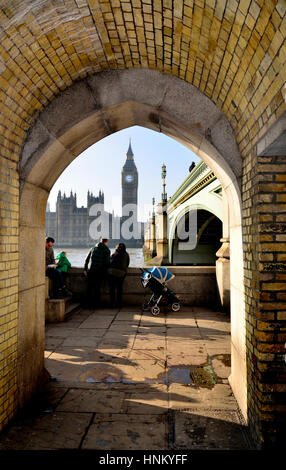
(164,174)
(162,257)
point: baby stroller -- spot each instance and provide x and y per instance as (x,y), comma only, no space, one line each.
(156,279)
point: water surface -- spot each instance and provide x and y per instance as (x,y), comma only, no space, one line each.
(77,256)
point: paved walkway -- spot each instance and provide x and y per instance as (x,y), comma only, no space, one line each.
(127,380)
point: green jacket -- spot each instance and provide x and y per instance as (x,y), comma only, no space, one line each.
(98,259)
(63,263)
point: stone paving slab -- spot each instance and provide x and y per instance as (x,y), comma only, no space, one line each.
(89,332)
(100,372)
(147,402)
(47,432)
(180,319)
(94,401)
(52,343)
(181,358)
(143,343)
(116,352)
(155,354)
(82,341)
(220,397)
(132,309)
(175,335)
(217,348)
(189,347)
(128,316)
(96,323)
(128,432)
(207,429)
(66,363)
(148,319)
(150,337)
(63,325)
(218,325)
(122,335)
(123,326)
(62,332)
(107,355)
(153,329)
(135,371)
(69,355)
(61,371)
(213,333)
(115,343)
(80,315)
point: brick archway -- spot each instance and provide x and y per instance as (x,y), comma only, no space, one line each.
(234,53)
(109,104)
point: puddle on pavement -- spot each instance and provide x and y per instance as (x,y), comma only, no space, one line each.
(203,376)
(179,374)
(200,376)
(104,380)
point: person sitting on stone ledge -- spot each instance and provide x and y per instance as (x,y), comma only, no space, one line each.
(63,264)
(52,272)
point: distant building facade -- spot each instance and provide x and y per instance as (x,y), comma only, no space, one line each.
(73,226)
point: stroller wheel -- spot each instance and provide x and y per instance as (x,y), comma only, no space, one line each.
(145,307)
(155,310)
(175,306)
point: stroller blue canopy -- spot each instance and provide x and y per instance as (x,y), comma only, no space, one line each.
(161,274)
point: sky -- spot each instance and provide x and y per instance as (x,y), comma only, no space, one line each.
(99,167)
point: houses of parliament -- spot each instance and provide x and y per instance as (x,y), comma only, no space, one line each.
(73,226)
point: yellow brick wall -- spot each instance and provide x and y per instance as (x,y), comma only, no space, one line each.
(233,51)
(9,205)
(264,217)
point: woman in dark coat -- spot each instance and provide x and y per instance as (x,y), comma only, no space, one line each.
(117,273)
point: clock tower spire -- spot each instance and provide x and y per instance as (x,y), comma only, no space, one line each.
(129,181)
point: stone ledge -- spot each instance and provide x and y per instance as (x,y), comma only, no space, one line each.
(58,309)
(196,285)
(174,269)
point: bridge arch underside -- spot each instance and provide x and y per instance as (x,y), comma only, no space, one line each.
(196,238)
(82,115)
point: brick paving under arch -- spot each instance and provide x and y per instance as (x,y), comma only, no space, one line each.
(127,380)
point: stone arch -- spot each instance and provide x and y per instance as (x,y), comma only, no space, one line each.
(173,240)
(181,213)
(174,254)
(80,116)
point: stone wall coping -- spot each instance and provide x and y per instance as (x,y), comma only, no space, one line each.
(185,270)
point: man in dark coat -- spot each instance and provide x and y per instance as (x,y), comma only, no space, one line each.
(95,268)
(117,272)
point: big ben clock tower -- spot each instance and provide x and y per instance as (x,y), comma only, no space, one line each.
(129,181)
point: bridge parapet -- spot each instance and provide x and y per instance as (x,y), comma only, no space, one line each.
(196,285)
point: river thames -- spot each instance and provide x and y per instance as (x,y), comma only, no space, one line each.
(77,256)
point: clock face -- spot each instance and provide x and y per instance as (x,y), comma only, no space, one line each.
(129,178)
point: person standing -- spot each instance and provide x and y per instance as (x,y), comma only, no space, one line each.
(117,272)
(95,269)
(51,270)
